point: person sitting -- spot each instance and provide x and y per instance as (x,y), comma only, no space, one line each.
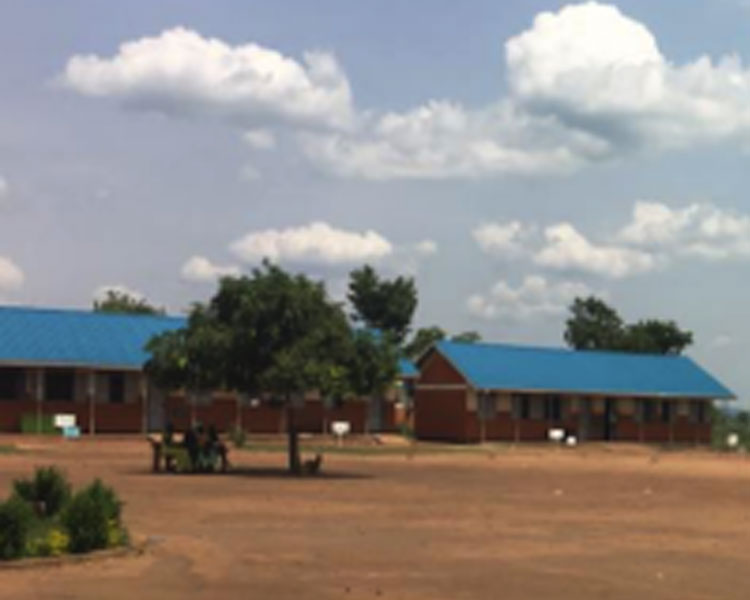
(193,448)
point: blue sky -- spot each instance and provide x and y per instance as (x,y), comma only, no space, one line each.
(508,155)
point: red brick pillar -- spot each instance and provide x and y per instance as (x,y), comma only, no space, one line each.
(91,398)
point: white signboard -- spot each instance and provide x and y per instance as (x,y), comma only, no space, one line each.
(341,428)
(63,420)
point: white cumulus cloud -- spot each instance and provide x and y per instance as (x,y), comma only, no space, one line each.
(181,72)
(533,297)
(506,240)
(442,140)
(426,247)
(11,275)
(699,230)
(316,243)
(199,269)
(586,84)
(596,69)
(568,250)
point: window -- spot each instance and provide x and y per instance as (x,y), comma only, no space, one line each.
(666,412)
(647,410)
(553,408)
(59,384)
(486,406)
(699,411)
(116,388)
(522,406)
(11,384)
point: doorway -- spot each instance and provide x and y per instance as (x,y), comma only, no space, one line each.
(610,419)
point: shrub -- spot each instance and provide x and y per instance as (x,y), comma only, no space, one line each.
(107,498)
(16,521)
(54,542)
(117,535)
(91,516)
(47,492)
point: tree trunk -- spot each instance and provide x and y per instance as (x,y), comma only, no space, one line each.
(291,428)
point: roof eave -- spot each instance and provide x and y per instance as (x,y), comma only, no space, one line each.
(56,364)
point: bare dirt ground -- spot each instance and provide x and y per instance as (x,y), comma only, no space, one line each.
(531,522)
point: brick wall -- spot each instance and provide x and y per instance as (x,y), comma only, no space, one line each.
(436,369)
(440,415)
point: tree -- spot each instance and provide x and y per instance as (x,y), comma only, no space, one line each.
(387,305)
(656,337)
(423,340)
(594,325)
(124,303)
(191,357)
(467,337)
(373,364)
(270,332)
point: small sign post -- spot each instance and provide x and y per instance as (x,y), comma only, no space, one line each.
(340,429)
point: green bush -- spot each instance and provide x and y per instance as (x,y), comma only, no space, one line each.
(47,492)
(50,542)
(33,423)
(16,521)
(107,498)
(91,517)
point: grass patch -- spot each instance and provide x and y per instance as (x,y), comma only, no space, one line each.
(8,449)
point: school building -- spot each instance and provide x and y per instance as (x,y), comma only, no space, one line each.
(90,365)
(474,392)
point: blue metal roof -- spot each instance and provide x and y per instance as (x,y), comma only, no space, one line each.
(523,368)
(78,337)
(406,368)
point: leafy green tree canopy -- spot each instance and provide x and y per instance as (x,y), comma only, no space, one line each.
(121,302)
(276,333)
(656,337)
(594,325)
(373,364)
(467,337)
(384,304)
(423,339)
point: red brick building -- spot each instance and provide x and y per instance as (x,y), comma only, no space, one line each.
(90,365)
(471,392)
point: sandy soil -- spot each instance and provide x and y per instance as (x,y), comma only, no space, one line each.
(524,523)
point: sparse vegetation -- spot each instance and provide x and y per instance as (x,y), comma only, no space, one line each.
(724,424)
(238,437)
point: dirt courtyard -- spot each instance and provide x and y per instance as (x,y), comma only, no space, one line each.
(523,523)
